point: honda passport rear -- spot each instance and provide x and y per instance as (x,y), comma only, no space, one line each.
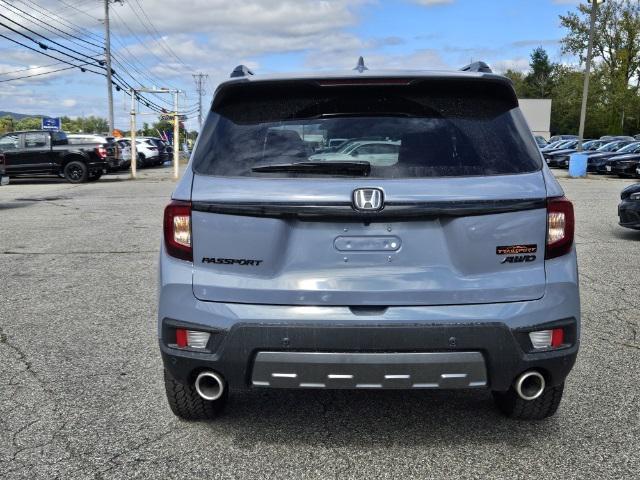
(435,251)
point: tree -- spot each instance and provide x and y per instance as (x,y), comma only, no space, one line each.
(6,124)
(616,47)
(29,123)
(539,80)
(517,78)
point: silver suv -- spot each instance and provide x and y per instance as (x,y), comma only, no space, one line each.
(449,266)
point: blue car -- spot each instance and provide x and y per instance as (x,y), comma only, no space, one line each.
(450,265)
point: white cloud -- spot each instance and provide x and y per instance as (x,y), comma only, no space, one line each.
(69,102)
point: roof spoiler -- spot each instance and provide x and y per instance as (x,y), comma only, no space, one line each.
(481,67)
(241,71)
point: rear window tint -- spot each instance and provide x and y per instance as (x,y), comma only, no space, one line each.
(428,130)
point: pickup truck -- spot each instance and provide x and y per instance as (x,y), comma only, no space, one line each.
(37,152)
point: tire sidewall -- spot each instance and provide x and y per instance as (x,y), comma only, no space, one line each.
(76,172)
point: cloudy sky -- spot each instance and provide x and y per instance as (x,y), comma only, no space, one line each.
(163,42)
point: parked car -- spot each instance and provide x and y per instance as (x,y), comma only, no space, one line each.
(124,149)
(563,137)
(279,271)
(559,158)
(378,153)
(541,141)
(147,152)
(113,160)
(626,154)
(629,207)
(164,150)
(617,137)
(4,178)
(599,157)
(37,152)
(556,145)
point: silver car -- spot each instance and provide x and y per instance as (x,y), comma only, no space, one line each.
(450,266)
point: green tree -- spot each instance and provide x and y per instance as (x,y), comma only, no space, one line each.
(6,124)
(539,80)
(29,123)
(616,52)
(518,80)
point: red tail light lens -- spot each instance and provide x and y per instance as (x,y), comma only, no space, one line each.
(560,227)
(102,152)
(177,230)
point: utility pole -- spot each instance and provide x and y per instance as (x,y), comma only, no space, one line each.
(200,78)
(585,88)
(134,150)
(176,135)
(107,54)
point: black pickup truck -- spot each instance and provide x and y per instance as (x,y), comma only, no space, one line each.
(37,152)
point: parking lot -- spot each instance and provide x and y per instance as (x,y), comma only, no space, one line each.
(81,393)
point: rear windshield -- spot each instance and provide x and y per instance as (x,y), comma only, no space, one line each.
(401,132)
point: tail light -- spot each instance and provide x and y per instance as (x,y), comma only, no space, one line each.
(191,338)
(547,338)
(177,230)
(560,227)
(102,152)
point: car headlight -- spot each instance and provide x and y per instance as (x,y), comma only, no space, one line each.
(635,196)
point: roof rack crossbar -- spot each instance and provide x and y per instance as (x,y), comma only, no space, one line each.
(241,71)
(481,67)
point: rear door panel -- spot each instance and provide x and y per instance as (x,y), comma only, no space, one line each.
(429,260)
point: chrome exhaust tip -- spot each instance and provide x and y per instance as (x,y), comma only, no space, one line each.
(530,385)
(209,385)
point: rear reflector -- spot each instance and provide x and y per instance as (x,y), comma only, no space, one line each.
(560,227)
(547,338)
(177,230)
(191,338)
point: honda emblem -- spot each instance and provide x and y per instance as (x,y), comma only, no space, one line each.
(368,199)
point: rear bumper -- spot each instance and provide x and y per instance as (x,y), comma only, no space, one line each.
(497,332)
(375,355)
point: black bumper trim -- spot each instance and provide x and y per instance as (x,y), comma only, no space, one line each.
(234,352)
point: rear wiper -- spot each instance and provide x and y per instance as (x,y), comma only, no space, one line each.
(336,168)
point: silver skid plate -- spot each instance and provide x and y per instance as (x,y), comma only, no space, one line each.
(369,370)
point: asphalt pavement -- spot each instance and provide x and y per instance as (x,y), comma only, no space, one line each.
(81,393)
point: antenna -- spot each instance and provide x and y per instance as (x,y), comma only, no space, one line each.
(361,67)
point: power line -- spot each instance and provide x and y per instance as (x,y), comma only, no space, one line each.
(72,26)
(47,26)
(37,74)
(164,45)
(44,46)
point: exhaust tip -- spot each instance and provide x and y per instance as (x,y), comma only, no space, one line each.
(530,385)
(209,385)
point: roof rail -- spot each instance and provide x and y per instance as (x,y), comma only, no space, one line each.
(241,71)
(481,67)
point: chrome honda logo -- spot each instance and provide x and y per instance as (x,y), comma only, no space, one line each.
(368,199)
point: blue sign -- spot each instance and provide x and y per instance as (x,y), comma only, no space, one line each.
(51,124)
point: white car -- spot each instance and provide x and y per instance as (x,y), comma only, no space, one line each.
(147,152)
(379,153)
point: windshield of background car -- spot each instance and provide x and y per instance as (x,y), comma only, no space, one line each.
(438,130)
(611,147)
(631,148)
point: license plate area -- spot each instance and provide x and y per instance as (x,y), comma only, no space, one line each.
(353,243)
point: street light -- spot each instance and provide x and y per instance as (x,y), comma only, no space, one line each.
(587,73)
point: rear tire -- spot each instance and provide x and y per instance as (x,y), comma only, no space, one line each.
(142,161)
(510,404)
(187,404)
(76,172)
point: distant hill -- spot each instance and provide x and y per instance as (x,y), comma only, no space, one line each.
(19,116)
